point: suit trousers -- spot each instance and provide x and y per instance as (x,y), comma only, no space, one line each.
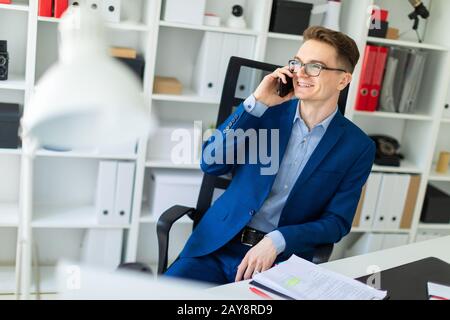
(216,268)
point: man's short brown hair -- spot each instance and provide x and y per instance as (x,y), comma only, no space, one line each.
(346,48)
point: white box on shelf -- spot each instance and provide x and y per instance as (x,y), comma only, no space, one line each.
(183,11)
(124,192)
(106,191)
(394,240)
(168,188)
(178,143)
(368,242)
(102,248)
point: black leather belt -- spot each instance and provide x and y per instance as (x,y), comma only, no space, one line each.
(249,236)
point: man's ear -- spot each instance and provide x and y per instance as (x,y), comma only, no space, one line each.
(345,80)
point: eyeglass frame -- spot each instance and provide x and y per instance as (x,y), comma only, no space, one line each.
(322,67)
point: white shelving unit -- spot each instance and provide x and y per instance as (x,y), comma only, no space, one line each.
(64,182)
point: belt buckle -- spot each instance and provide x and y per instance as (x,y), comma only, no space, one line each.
(243,235)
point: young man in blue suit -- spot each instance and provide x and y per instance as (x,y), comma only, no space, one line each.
(312,198)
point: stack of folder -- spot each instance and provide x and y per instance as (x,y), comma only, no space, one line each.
(115,182)
(390,79)
(387,201)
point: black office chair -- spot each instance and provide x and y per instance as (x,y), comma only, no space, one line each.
(241,79)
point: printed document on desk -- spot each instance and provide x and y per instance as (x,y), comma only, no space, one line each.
(303,280)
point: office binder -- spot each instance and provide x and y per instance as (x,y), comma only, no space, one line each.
(410,202)
(124,192)
(106,188)
(102,248)
(369,206)
(394,215)
(402,56)
(212,62)
(377,78)
(111,10)
(207,66)
(365,81)
(413,79)
(387,102)
(60,7)
(45,8)
(386,198)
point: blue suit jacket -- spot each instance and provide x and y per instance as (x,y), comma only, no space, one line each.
(321,206)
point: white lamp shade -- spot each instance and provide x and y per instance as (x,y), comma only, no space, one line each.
(87,99)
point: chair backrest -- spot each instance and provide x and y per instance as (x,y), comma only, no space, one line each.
(241,80)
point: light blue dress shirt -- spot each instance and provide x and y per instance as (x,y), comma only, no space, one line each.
(302,143)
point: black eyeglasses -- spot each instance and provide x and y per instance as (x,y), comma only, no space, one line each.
(311,69)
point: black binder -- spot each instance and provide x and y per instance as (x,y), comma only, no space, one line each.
(409,281)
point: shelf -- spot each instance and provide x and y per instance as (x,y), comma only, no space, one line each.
(13,152)
(14,82)
(15,7)
(283,36)
(405,231)
(148,217)
(402,43)
(445,120)
(80,217)
(187,96)
(84,154)
(434,176)
(393,115)
(166,164)
(127,26)
(405,167)
(9,214)
(434,226)
(207,28)
(48,280)
(7,279)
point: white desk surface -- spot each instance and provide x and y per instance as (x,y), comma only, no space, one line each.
(357,266)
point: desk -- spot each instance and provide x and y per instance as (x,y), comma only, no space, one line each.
(357,266)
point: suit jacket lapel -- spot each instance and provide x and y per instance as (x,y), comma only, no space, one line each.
(285,126)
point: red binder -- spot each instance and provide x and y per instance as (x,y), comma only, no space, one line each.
(377,78)
(60,7)
(362,99)
(5,1)
(45,8)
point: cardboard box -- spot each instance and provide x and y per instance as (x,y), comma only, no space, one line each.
(167,85)
(120,52)
(393,33)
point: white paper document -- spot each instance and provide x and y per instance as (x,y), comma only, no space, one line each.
(438,291)
(303,280)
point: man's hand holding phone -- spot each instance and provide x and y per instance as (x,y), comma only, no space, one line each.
(268,90)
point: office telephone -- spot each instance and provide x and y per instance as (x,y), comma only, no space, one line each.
(387,153)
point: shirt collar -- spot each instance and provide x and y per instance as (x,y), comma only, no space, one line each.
(324,123)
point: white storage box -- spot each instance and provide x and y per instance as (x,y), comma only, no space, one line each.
(173,187)
(183,11)
(178,143)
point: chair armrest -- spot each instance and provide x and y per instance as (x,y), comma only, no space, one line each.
(322,253)
(164,224)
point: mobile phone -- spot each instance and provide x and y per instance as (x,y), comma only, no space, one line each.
(285,88)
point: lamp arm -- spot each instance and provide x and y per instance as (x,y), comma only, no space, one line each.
(24,254)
